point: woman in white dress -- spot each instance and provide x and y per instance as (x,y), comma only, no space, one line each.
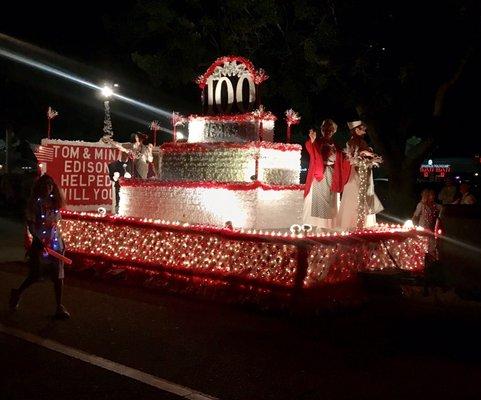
(141,155)
(357,151)
(321,199)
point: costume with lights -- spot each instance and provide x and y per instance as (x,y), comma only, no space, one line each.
(43,227)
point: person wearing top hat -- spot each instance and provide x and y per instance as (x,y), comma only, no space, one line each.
(357,149)
(324,176)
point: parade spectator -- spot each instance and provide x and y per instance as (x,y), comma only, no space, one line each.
(466,196)
(447,195)
(42,217)
(426,215)
(141,155)
(140,164)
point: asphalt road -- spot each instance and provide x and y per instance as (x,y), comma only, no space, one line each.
(387,350)
(33,372)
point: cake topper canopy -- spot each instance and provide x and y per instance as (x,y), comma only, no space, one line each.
(230,86)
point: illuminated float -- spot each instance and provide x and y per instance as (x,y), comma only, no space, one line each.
(224,214)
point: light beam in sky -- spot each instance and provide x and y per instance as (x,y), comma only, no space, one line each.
(73,78)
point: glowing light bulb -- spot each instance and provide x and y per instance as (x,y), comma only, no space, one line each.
(107,91)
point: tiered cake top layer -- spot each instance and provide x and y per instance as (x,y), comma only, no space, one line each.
(232,128)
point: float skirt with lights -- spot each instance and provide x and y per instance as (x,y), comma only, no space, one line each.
(253,264)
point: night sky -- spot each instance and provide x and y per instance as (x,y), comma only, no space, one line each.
(77,41)
(78,34)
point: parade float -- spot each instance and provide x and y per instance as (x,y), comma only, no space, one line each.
(224,213)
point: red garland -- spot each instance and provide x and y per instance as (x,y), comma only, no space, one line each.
(393,233)
(204,147)
(258,76)
(207,185)
(247,117)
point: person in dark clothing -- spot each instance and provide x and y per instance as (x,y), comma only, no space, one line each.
(42,217)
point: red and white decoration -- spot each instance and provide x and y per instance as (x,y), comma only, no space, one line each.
(252,262)
(221,213)
(81,170)
(231,128)
(51,114)
(292,118)
(229,96)
(229,85)
(177,120)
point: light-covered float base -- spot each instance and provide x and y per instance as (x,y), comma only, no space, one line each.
(277,163)
(251,263)
(245,205)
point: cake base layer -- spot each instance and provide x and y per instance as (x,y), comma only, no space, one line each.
(244,205)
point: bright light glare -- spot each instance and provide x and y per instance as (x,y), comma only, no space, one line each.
(57,72)
(408,224)
(224,205)
(107,91)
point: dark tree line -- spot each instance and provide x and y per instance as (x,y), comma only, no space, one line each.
(392,64)
(403,67)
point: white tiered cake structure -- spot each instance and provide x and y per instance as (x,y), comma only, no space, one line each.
(229,169)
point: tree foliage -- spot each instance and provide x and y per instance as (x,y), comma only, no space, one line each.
(390,63)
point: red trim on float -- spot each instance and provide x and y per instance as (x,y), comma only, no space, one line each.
(207,185)
(381,233)
(170,147)
(247,117)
